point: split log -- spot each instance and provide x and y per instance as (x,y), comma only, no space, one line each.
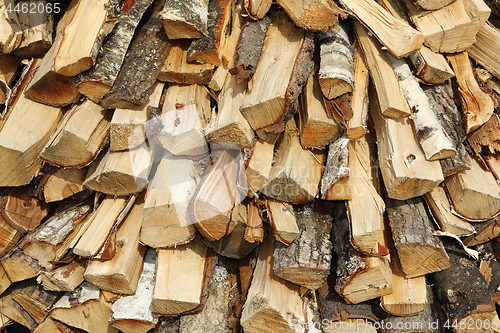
(229,125)
(73,309)
(307,260)
(478,12)
(260,164)
(484,50)
(101,222)
(477,106)
(385,27)
(20,266)
(287,181)
(10,309)
(272,303)
(405,170)
(121,172)
(316,129)
(434,142)
(283,221)
(79,136)
(257,9)
(10,38)
(357,125)
(135,83)
(475,193)
(218,79)
(178,70)
(443,105)
(486,139)
(273,98)
(132,314)
(441,209)
(34,299)
(185,19)
(484,232)
(432,4)
(254,231)
(9,237)
(391,100)
(129,126)
(63,184)
(335,182)
(180,274)
(419,251)
(96,82)
(431,67)
(316,15)
(217,194)
(9,66)
(23,212)
(64,278)
(185,114)
(336,71)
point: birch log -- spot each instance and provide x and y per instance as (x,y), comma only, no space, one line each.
(185,19)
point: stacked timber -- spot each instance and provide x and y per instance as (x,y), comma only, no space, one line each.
(227,166)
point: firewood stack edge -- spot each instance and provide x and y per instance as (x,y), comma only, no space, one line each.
(249,166)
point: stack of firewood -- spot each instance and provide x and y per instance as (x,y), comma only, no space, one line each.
(227,166)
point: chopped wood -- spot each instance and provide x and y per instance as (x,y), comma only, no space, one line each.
(182,19)
(10,36)
(431,67)
(9,66)
(179,278)
(218,79)
(356,126)
(484,232)
(254,231)
(289,182)
(432,4)
(273,97)
(96,82)
(272,303)
(335,182)
(283,221)
(20,266)
(313,15)
(484,50)
(257,9)
(475,193)
(63,184)
(34,299)
(79,136)
(136,80)
(390,98)
(486,139)
(64,278)
(316,129)
(260,164)
(10,309)
(178,70)
(385,27)
(9,236)
(442,211)
(23,212)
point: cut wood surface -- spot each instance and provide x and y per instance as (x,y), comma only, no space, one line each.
(313,15)
(20,266)
(254,231)
(392,102)
(283,221)
(484,232)
(185,19)
(257,9)
(10,38)
(357,125)
(486,139)
(12,310)
(64,278)
(432,4)
(431,67)
(79,136)
(486,47)
(23,212)
(34,299)
(259,166)
(9,237)
(63,183)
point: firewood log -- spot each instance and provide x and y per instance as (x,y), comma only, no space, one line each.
(64,278)
(135,83)
(120,274)
(9,66)
(272,303)
(260,164)
(129,126)
(178,70)
(485,48)
(73,309)
(316,129)
(20,266)
(443,105)
(133,313)
(356,126)
(254,231)
(110,213)
(257,9)
(48,326)
(64,183)
(419,251)
(22,211)
(10,36)
(36,301)
(484,232)
(79,136)
(98,80)
(477,106)
(485,140)
(9,237)
(406,172)
(180,274)
(186,20)
(475,193)
(283,221)
(273,99)
(288,181)
(432,4)
(431,67)
(306,261)
(385,27)
(390,98)
(335,182)
(441,209)
(218,79)
(185,114)
(315,15)
(12,310)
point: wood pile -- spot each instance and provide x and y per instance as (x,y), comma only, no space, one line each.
(249,166)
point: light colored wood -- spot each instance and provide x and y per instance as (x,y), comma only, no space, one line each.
(36,301)
(79,136)
(64,278)
(434,142)
(390,98)
(128,126)
(176,68)
(335,182)
(396,35)
(20,266)
(282,219)
(165,219)
(313,15)
(272,303)
(9,36)
(48,326)
(4,280)
(477,105)
(132,314)
(9,66)
(257,9)
(260,164)
(289,181)
(185,114)
(9,237)
(479,12)
(316,129)
(121,172)
(110,212)
(229,125)
(432,4)
(405,171)
(185,19)
(22,211)
(486,47)
(10,309)
(475,193)
(441,209)
(254,231)
(64,183)
(356,126)
(179,278)
(217,81)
